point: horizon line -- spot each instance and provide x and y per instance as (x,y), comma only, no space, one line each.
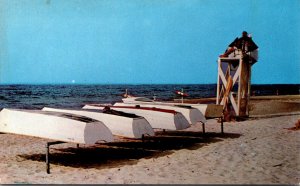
(5,84)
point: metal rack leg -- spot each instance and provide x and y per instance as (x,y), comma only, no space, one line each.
(47,159)
(48,154)
(222,126)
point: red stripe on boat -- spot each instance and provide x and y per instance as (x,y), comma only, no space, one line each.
(142,108)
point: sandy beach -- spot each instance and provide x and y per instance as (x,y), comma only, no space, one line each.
(259,150)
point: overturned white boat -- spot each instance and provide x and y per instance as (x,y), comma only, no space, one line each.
(208,110)
(158,118)
(55,126)
(193,115)
(125,125)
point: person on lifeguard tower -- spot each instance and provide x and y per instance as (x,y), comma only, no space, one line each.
(244,43)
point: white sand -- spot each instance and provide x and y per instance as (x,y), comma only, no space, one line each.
(256,151)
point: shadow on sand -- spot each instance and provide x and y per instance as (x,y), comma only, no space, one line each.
(116,154)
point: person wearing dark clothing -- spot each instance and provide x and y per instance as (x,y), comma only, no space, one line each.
(244,43)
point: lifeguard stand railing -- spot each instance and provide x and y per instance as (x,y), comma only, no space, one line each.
(235,71)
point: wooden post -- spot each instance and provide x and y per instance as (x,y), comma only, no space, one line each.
(218,83)
(244,88)
(249,90)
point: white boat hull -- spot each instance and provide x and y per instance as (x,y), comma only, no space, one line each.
(157,119)
(193,115)
(119,125)
(54,126)
(207,110)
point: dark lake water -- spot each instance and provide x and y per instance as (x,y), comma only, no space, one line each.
(76,96)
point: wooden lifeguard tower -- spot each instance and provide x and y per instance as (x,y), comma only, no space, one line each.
(234,74)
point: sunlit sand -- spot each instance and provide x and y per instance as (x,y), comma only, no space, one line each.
(261,149)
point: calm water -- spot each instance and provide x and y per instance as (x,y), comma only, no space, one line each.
(76,96)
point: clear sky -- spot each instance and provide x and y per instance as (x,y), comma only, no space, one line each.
(143,41)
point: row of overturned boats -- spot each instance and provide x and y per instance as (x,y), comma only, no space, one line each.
(134,118)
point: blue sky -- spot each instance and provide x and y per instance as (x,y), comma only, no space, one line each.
(143,41)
